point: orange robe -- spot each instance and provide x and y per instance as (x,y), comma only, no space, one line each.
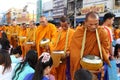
(8,32)
(30,38)
(14,30)
(117,33)
(31,34)
(4,28)
(22,33)
(44,32)
(91,46)
(1,29)
(60,71)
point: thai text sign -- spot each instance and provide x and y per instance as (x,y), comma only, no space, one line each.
(97,8)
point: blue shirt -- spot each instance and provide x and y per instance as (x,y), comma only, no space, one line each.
(25,71)
(14,59)
(30,77)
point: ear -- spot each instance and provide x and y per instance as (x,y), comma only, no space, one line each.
(48,67)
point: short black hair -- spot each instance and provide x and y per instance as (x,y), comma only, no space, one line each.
(83,74)
(92,15)
(63,19)
(108,15)
(17,50)
(117,46)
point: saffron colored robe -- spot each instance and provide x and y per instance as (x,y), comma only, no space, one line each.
(60,71)
(42,33)
(22,33)
(30,38)
(14,31)
(91,46)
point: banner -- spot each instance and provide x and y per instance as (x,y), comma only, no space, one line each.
(97,8)
(109,4)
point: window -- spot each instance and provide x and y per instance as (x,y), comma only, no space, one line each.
(117,2)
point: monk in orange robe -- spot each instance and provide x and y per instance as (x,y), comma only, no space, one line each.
(91,45)
(14,30)
(30,37)
(117,33)
(22,37)
(62,43)
(1,29)
(44,31)
(22,34)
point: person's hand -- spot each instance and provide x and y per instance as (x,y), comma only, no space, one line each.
(47,48)
(111,57)
(34,44)
(67,53)
(98,71)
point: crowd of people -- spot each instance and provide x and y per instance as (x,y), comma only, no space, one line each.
(57,51)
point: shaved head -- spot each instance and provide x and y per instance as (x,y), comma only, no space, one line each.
(92,15)
(92,21)
(43,21)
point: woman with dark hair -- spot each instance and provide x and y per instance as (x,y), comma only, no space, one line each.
(43,68)
(117,54)
(16,54)
(83,74)
(117,57)
(5,65)
(5,44)
(25,67)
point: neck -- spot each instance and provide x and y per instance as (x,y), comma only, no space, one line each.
(3,64)
(45,24)
(44,74)
(31,27)
(106,24)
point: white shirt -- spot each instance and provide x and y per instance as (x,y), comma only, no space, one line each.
(8,73)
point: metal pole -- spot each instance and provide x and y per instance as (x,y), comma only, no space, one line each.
(75,14)
(33,14)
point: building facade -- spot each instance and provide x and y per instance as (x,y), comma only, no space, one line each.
(100,6)
(73,8)
(48,10)
(59,9)
(39,10)
(3,20)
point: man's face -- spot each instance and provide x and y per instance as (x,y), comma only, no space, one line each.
(23,26)
(92,24)
(43,21)
(110,21)
(14,23)
(64,25)
(31,24)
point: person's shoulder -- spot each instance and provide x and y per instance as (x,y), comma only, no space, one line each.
(29,76)
(72,30)
(1,69)
(28,67)
(14,59)
(102,29)
(79,30)
(50,24)
(45,78)
(103,32)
